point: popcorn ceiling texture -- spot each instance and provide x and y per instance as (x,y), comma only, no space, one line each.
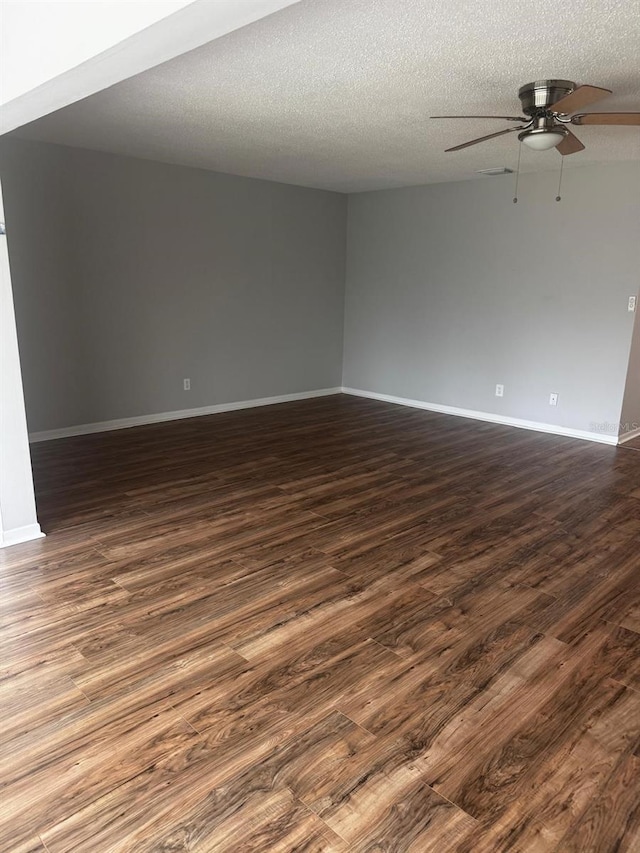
(336,94)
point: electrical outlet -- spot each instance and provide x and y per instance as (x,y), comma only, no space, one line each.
(633,301)
(186,384)
(553,399)
(499,390)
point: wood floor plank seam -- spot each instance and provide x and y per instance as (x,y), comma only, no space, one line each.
(306,806)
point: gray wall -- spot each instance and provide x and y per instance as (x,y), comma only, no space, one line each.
(144,274)
(451,288)
(631,404)
(131,275)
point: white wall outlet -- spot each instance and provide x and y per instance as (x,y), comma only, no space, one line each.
(186,384)
(553,399)
(499,390)
(633,301)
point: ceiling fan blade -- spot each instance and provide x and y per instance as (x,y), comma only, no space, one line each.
(579,98)
(607,118)
(483,138)
(502,118)
(570,144)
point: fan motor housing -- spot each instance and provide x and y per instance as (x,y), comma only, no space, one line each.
(539,97)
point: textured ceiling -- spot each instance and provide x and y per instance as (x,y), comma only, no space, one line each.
(337,93)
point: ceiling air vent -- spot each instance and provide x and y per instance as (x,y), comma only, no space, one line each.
(499,170)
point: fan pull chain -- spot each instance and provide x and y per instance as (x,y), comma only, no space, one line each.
(559,197)
(515,197)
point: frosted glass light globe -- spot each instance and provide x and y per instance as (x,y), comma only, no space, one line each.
(542,140)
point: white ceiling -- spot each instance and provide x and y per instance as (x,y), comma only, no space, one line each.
(336,93)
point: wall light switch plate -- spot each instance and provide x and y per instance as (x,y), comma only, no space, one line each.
(499,390)
(186,384)
(553,399)
(633,301)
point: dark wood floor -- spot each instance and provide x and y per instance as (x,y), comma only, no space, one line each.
(634,444)
(334,625)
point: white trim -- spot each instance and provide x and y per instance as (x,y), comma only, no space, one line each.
(169,36)
(21,534)
(627,436)
(141,420)
(489,417)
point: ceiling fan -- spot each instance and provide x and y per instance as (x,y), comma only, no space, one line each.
(546,105)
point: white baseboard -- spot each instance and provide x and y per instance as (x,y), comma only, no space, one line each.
(627,436)
(20,534)
(141,420)
(489,417)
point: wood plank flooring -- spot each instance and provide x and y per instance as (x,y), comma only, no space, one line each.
(333,625)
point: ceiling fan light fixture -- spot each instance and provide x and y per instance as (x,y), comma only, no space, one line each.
(542,138)
(547,106)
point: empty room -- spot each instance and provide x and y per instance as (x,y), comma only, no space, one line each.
(320,427)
